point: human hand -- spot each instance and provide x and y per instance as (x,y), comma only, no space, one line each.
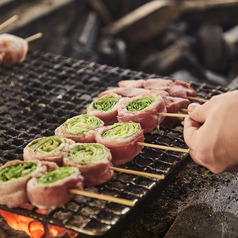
(211,133)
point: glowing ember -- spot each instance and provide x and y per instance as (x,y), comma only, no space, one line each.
(33,228)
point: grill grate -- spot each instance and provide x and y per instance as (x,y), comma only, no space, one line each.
(43,92)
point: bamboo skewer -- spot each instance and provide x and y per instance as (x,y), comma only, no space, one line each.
(159,176)
(164,147)
(8,22)
(34,37)
(122,200)
(167,114)
(197,99)
(184,110)
(103,197)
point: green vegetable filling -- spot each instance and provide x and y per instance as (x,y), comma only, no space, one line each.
(105,103)
(86,153)
(55,175)
(121,130)
(82,123)
(17,170)
(139,104)
(47,144)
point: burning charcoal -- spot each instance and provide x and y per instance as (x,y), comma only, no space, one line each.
(144,23)
(101,10)
(233,85)
(6,231)
(112,51)
(184,75)
(216,79)
(83,41)
(216,53)
(175,57)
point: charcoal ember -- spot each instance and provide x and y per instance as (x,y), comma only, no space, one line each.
(216,79)
(178,55)
(216,53)
(6,231)
(184,75)
(233,85)
(112,51)
(223,13)
(141,25)
(84,38)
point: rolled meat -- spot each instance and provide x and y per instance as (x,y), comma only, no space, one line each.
(105,108)
(93,160)
(14,176)
(143,109)
(121,139)
(52,189)
(124,91)
(177,88)
(13,49)
(80,128)
(51,148)
(132,83)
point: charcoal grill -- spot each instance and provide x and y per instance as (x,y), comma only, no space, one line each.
(43,92)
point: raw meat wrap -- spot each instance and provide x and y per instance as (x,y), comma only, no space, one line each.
(142,109)
(51,148)
(93,160)
(14,176)
(121,138)
(105,108)
(52,189)
(80,128)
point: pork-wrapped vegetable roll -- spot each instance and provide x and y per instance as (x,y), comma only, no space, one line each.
(105,108)
(142,109)
(121,138)
(14,176)
(93,160)
(52,189)
(80,128)
(51,148)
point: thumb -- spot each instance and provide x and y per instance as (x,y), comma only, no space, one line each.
(197,112)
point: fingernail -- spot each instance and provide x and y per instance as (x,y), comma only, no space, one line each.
(192,106)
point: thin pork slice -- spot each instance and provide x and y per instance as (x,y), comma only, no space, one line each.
(14,176)
(174,105)
(93,160)
(143,109)
(132,83)
(124,92)
(105,108)
(13,49)
(51,148)
(80,128)
(51,190)
(121,139)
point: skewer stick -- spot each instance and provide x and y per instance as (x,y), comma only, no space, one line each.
(173,114)
(34,37)
(103,197)
(8,22)
(159,176)
(164,147)
(184,110)
(197,99)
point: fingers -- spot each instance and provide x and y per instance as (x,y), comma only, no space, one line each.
(198,112)
(190,131)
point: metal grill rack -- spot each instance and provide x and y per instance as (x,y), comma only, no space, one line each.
(42,93)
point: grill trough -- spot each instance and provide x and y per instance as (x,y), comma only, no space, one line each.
(42,93)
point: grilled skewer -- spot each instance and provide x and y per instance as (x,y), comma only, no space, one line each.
(8,22)
(123,201)
(34,37)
